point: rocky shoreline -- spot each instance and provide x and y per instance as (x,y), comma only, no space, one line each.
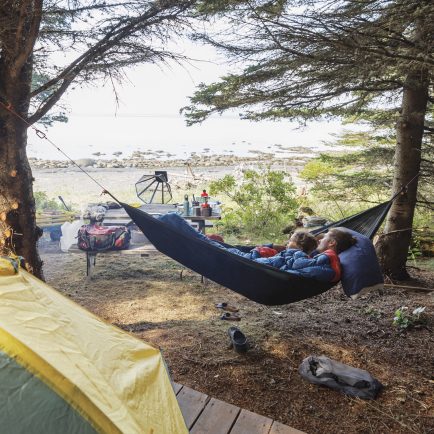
(141,160)
(119,175)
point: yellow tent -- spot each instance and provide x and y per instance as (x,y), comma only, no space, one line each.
(63,370)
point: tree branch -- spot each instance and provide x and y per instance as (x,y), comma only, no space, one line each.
(118,33)
(25,50)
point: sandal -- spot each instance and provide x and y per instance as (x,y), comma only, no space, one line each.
(238,340)
(227,307)
(230,317)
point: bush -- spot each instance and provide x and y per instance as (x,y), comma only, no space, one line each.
(44,203)
(261,204)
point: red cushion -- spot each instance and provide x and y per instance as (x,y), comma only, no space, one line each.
(266,252)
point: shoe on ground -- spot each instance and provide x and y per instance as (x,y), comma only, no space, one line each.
(238,339)
(227,316)
(227,307)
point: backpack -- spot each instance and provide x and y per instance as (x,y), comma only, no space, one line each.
(99,238)
(351,381)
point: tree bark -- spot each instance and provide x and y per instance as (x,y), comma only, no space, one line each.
(16,185)
(18,230)
(393,245)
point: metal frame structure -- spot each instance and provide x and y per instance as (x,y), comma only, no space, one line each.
(158,182)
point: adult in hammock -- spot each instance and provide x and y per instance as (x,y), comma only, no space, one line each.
(324,266)
(304,256)
(323,263)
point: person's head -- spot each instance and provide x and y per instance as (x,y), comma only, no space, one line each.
(337,239)
(216,237)
(302,240)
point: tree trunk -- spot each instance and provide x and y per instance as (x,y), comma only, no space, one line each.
(18,230)
(393,245)
(17,203)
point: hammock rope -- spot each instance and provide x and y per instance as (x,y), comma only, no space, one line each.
(43,136)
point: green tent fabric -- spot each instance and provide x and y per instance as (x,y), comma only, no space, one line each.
(29,406)
(63,370)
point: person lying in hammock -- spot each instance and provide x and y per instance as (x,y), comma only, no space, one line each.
(306,257)
(322,264)
(302,240)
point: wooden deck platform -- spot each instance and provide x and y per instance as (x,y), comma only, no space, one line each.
(205,415)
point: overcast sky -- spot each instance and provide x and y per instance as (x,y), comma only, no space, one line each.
(148,117)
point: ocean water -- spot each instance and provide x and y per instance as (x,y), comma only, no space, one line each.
(142,113)
(166,136)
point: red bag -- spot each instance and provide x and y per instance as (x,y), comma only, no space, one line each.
(99,238)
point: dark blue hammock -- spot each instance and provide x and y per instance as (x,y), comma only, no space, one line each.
(258,282)
(366,222)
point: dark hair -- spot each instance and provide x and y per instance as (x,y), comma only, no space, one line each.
(344,240)
(305,240)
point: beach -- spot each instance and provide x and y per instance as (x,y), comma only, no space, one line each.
(62,178)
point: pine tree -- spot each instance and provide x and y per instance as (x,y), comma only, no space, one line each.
(309,59)
(100,38)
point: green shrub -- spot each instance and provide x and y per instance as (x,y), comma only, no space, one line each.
(261,204)
(44,203)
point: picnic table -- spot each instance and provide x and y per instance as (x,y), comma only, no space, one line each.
(202,221)
(120,216)
(142,250)
(139,243)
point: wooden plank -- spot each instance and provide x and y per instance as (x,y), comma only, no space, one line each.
(132,250)
(139,250)
(51,222)
(216,418)
(213,416)
(251,423)
(151,208)
(191,403)
(176,387)
(197,218)
(116,222)
(279,428)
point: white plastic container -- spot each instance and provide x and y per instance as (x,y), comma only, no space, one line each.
(69,234)
(216,208)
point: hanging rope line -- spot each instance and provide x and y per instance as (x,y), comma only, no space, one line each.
(43,136)
(404,187)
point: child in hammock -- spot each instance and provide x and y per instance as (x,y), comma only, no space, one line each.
(299,241)
(323,266)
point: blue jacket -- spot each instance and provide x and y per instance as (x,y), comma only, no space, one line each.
(253,254)
(323,267)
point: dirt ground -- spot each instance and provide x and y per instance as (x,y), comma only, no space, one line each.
(145,296)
